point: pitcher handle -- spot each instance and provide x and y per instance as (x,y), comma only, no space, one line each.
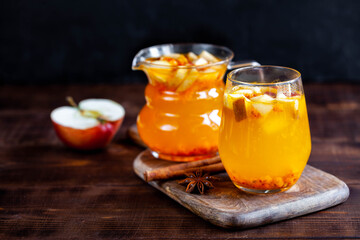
(243,63)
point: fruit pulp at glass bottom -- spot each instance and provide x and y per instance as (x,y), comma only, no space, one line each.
(265,152)
(181,124)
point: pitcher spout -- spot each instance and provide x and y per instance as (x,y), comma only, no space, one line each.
(138,62)
(151,52)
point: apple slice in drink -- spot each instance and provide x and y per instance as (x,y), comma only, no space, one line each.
(263,104)
(91,125)
(208,57)
(200,61)
(239,106)
(170,60)
(209,75)
(188,81)
(179,77)
(291,104)
(270,91)
(241,93)
(172,55)
(162,73)
(182,60)
(257,91)
(175,59)
(237,102)
(192,56)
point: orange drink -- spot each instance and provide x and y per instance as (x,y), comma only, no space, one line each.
(264,139)
(181,118)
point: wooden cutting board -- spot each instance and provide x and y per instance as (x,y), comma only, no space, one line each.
(226,206)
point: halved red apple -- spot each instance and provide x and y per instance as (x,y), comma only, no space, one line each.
(91,125)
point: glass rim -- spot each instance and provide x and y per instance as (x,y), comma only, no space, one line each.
(226,60)
(230,75)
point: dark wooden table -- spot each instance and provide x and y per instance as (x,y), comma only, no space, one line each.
(48,190)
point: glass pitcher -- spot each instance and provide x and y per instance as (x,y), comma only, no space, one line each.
(181,118)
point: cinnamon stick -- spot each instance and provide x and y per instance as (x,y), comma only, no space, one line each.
(209,165)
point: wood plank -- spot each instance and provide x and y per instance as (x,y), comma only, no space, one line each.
(228,207)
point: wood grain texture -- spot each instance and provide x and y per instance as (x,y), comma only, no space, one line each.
(49,191)
(228,207)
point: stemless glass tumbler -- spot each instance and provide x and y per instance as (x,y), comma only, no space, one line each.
(264,140)
(181,118)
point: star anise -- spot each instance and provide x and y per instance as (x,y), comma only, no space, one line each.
(198,180)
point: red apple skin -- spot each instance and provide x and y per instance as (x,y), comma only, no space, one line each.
(88,139)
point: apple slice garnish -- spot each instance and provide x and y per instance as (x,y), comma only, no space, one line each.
(233,96)
(238,102)
(179,77)
(200,61)
(172,55)
(160,74)
(291,103)
(263,104)
(172,61)
(270,91)
(180,59)
(209,75)
(239,106)
(188,81)
(208,57)
(90,125)
(192,56)
(248,93)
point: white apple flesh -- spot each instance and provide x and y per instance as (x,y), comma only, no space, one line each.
(263,104)
(87,133)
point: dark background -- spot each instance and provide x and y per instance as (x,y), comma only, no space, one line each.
(94,41)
